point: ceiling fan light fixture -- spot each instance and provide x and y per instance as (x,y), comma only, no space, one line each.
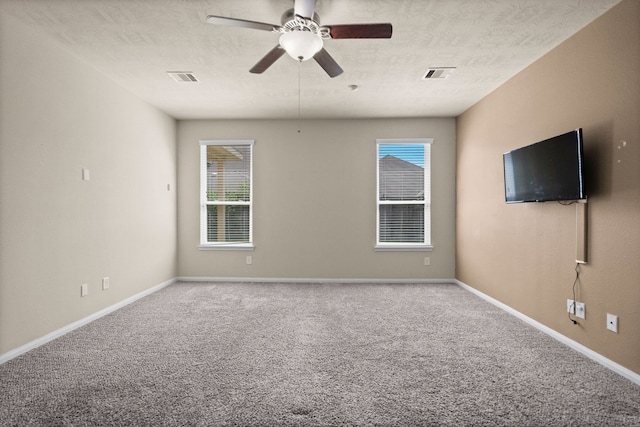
(301,45)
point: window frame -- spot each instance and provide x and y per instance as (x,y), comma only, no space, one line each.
(426,244)
(204,202)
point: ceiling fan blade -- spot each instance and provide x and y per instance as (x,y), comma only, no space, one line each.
(327,63)
(360,31)
(233,22)
(268,60)
(304,8)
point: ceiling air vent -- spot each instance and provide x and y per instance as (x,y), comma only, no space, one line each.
(182,76)
(438,73)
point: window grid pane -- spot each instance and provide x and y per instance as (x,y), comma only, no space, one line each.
(401,171)
(228,173)
(227,223)
(402,223)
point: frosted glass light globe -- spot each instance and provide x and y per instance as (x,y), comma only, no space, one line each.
(301,45)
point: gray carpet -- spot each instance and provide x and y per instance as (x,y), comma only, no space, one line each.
(202,354)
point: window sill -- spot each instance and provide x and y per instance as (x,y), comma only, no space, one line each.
(226,247)
(401,247)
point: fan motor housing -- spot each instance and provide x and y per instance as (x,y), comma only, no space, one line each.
(290,14)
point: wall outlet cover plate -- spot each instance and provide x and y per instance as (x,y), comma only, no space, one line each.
(612,322)
(580,310)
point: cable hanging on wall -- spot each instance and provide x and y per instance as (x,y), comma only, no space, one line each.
(572,309)
(299,67)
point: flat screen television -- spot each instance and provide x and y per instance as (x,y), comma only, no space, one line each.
(549,170)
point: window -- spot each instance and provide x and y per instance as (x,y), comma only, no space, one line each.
(226,195)
(403,194)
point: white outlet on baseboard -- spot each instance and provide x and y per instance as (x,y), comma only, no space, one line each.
(105,283)
(84,290)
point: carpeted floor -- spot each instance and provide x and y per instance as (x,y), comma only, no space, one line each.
(216,354)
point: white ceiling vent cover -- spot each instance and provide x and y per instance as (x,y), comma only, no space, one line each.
(183,76)
(438,73)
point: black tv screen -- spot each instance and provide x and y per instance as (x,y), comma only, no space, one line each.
(549,170)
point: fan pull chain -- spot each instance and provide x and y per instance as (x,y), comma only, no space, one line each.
(299,66)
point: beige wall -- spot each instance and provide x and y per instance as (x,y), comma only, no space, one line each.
(314,200)
(523,255)
(57,117)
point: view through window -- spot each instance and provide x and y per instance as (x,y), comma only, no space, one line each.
(225,194)
(403,187)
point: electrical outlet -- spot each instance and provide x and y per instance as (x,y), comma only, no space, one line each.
(427,260)
(84,290)
(570,307)
(580,310)
(576,308)
(612,322)
(105,283)
(249,260)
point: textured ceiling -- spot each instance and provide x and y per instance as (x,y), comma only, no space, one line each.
(135,42)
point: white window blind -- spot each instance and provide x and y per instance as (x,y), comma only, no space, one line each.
(404,194)
(226,183)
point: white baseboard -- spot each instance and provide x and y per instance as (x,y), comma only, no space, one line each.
(65,329)
(597,357)
(306,280)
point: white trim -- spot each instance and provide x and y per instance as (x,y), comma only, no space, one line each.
(308,280)
(227,141)
(383,247)
(226,247)
(219,203)
(204,202)
(402,202)
(404,140)
(75,325)
(597,357)
(426,142)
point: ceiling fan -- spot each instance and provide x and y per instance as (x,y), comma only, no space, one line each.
(302,36)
